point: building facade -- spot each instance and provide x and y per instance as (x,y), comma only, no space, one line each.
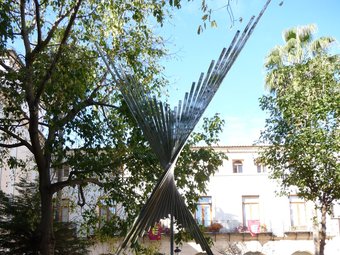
(252,217)
(241,201)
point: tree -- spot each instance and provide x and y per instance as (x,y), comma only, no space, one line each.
(59,102)
(19,217)
(299,47)
(192,173)
(303,132)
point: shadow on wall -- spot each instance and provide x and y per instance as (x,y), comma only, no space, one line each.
(235,248)
(302,253)
(254,253)
(229,221)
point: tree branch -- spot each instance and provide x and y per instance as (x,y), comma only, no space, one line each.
(6,67)
(24,33)
(18,125)
(15,120)
(81,196)
(59,51)
(74,111)
(55,187)
(15,136)
(50,34)
(37,18)
(14,145)
(104,104)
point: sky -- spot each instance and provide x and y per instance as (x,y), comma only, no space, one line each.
(237,100)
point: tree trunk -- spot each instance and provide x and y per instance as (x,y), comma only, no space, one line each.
(316,233)
(323,229)
(58,201)
(46,234)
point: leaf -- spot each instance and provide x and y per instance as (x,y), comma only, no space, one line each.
(200,29)
(299,132)
(213,24)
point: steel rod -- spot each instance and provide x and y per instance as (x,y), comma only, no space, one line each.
(172,235)
(167,131)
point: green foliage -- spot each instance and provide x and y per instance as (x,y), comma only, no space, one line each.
(58,100)
(300,46)
(6,31)
(142,170)
(303,130)
(19,219)
(146,250)
(196,164)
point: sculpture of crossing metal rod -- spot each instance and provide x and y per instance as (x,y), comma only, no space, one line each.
(167,131)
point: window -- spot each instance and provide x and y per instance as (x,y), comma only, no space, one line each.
(298,216)
(105,213)
(66,171)
(62,210)
(203,212)
(335,210)
(65,212)
(237,166)
(261,168)
(250,209)
(61,173)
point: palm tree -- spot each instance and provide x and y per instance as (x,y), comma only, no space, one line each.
(299,48)
(298,70)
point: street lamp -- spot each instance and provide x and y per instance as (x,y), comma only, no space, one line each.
(177,251)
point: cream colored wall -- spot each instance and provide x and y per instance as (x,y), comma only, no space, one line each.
(9,177)
(227,188)
(223,246)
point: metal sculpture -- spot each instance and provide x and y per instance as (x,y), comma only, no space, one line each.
(167,132)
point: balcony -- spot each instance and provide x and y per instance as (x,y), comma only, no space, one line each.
(233,231)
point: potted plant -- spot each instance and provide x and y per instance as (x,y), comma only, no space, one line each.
(215,227)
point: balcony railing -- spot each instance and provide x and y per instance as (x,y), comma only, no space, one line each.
(235,226)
